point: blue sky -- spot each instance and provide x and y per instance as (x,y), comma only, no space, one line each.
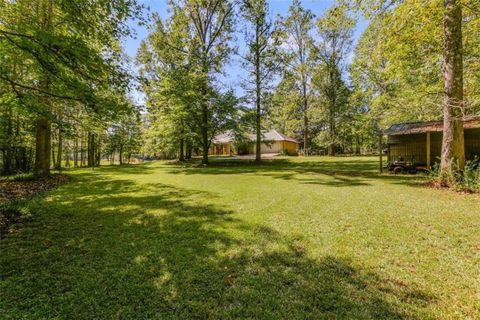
(234,72)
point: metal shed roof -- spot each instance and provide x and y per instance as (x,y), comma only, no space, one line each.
(431,126)
(273,135)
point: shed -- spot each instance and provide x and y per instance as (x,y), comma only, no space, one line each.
(422,141)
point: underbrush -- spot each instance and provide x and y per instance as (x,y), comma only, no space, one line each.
(12,212)
(18,192)
(467,180)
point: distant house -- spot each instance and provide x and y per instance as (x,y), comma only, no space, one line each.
(272,142)
(222,144)
(422,141)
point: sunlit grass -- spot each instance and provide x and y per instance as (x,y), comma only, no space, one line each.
(293,238)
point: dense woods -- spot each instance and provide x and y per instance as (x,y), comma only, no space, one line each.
(65,82)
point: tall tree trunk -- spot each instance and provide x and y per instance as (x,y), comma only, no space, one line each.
(53,158)
(332,97)
(75,153)
(453,144)
(8,149)
(258,88)
(120,154)
(67,155)
(332,138)
(82,151)
(305,117)
(204,126)
(91,150)
(43,128)
(98,153)
(357,144)
(181,152)
(42,147)
(188,152)
(58,164)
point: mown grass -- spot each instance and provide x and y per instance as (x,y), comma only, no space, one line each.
(293,238)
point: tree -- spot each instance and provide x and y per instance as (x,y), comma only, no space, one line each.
(168,85)
(335,33)
(212,22)
(125,136)
(412,42)
(70,54)
(259,60)
(180,61)
(453,144)
(294,31)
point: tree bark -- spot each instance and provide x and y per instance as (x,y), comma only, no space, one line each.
(91,150)
(453,144)
(181,151)
(305,118)
(205,119)
(357,144)
(67,156)
(42,147)
(43,137)
(58,164)
(332,97)
(98,153)
(82,154)
(258,88)
(8,149)
(120,154)
(75,153)
(188,153)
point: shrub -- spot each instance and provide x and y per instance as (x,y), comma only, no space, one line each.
(461,180)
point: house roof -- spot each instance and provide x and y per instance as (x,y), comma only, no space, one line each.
(226,137)
(430,126)
(272,135)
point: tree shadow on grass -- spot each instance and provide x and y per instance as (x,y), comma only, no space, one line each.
(120,250)
(139,168)
(344,173)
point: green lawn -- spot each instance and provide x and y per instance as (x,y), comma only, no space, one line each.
(296,238)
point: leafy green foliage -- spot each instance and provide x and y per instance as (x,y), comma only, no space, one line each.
(467,180)
(179,62)
(398,62)
(296,55)
(61,63)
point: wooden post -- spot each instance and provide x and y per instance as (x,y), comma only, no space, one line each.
(380,151)
(428,149)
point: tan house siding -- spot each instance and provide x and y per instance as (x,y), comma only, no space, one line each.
(280,146)
(271,147)
(290,147)
(220,149)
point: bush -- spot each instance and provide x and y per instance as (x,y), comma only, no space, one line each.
(24,177)
(9,213)
(466,180)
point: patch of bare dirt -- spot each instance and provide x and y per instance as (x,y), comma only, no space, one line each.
(441,185)
(12,192)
